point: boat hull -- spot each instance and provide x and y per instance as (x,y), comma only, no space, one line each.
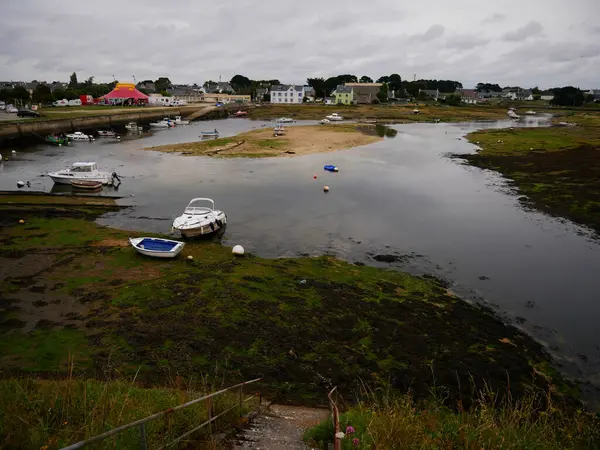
(203,227)
(65,179)
(170,249)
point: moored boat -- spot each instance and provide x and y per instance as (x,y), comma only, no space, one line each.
(82,171)
(87,185)
(179,121)
(324,121)
(107,133)
(57,140)
(132,126)
(209,133)
(241,113)
(200,220)
(334,117)
(156,247)
(530,113)
(79,136)
(285,120)
(165,123)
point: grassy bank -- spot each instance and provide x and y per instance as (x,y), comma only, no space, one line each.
(556,169)
(298,140)
(72,289)
(382,113)
(50,414)
(401,423)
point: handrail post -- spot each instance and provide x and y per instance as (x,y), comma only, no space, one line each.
(143,438)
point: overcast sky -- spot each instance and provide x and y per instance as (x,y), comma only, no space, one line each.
(511,42)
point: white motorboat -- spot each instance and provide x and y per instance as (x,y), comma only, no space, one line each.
(157,247)
(132,126)
(285,120)
(107,133)
(79,136)
(530,113)
(512,114)
(214,133)
(82,171)
(334,117)
(324,121)
(200,220)
(165,123)
(416,111)
(279,130)
(179,121)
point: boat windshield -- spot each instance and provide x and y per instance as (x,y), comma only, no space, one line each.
(81,168)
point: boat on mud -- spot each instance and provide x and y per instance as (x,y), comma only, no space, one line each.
(285,120)
(324,121)
(79,136)
(132,126)
(57,140)
(213,133)
(83,171)
(334,117)
(241,113)
(86,185)
(107,133)
(199,220)
(179,121)
(279,130)
(512,114)
(156,247)
(165,123)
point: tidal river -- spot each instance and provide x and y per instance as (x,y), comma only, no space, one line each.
(403,197)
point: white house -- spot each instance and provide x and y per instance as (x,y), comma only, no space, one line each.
(288,93)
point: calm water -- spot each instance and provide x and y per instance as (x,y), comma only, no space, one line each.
(400,196)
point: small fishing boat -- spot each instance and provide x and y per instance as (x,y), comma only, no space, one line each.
(334,117)
(324,121)
(179,121)
(83,171)
(279,130)
(87,185)
(209,133)
(132,126)
(331,168)
(512,114)
(79,136)
(285,120)
(107,133)
(57,140)
(157,247)
(241,113)
(200,220)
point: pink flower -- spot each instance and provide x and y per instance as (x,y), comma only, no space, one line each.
(355,442)
(349,430)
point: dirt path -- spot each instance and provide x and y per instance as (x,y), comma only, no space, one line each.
(281,427)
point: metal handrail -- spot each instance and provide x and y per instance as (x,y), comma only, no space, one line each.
(336,420)
(141,422)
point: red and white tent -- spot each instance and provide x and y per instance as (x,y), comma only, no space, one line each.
(124,92)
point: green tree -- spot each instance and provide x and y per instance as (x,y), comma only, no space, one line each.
(162,84)
(318,84)
(42,94)
(20,94)
(165,93)
(73,81)
(567,96)
(384,79)
(240,82)
(365,79)
(487,87)
(89,81)
(536,91)
(382,95)
(453,100)
(395,84)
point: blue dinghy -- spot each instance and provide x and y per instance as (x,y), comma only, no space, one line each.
(157,247)
(331,168)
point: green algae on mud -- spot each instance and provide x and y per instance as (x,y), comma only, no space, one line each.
(556,168)
(301,323)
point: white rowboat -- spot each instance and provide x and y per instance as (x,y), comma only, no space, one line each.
(156,247)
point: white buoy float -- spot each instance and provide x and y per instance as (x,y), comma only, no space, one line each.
(326,188)
(238,250)
(20,184)
(14,152)
(190,257)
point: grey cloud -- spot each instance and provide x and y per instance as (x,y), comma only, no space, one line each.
(465,42)
(190,42)
(531,29)
(494,18)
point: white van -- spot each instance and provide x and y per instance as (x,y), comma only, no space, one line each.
(63,102)
(76,102)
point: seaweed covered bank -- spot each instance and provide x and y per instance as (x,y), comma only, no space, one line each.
(73,290)
(556,169)
(297,140)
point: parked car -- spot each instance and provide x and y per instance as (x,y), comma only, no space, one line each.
(11,109)
(27,113)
